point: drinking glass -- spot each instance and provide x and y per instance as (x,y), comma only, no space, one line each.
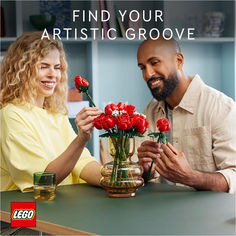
(44,186)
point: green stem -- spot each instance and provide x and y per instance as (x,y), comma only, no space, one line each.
(149,171)
(126,176)
(159,140)
(90,99)
(113,179)
(121,157)
(114,175)
(120,174)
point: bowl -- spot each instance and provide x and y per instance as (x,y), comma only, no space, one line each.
(41,22)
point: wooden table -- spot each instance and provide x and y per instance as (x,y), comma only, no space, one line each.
(156,209)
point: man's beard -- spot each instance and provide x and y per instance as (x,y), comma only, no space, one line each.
(169,85)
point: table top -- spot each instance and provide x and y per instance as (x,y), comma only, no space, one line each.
(156,209)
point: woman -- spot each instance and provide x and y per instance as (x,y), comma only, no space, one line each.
(36,134)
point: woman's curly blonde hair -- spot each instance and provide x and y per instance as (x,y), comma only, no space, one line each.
(19,70)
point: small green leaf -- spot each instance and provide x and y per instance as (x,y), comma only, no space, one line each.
(154,134)
(115,135)
(83,88)
(162,140)
(104,135)
(138,134)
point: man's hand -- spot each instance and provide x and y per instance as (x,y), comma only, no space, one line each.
(148,152)
(84,122)
(173,165)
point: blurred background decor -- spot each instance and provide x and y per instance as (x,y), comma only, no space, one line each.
(3,31)
(209,24)
(213,24)
(59,9)
(74,96)
(75,102)
(41,22)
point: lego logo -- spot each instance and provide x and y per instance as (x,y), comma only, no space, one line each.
(23,214)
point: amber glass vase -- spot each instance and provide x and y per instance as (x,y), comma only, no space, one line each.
(121,177)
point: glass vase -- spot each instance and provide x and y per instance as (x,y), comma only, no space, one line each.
(121,177)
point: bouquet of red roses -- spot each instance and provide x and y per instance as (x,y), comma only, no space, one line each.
(121,123)
(121,120)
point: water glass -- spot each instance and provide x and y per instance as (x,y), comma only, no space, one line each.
(44,186)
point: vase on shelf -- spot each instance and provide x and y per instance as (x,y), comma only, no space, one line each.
(121,177)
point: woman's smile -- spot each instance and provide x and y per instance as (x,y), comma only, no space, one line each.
(49,84)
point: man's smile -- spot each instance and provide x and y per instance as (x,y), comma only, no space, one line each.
(154,82)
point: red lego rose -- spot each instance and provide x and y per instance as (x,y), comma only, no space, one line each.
(140,123)
(81,84)
(121,106)
(124,121)
(130,109)
(108,122)
(98,121)
(163,125)
(110,108)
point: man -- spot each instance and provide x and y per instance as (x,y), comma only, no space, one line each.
(203,122)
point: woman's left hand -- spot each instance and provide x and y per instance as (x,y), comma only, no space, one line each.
(84,122)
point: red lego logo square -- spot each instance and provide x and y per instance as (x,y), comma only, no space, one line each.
(23,214)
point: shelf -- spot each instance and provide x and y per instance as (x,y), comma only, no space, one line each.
(71,40)
(64,40)
(210,40)
(120,40)
(123,40)
(7,39)
(200,40)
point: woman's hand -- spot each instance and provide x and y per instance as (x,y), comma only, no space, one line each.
(84,122)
